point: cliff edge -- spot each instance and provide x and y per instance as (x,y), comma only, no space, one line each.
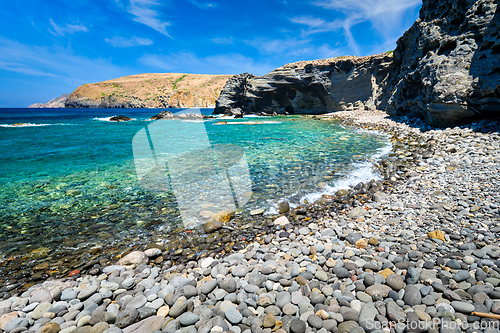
(165,90)
(308,87)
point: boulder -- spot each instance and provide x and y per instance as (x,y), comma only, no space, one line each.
(133,259)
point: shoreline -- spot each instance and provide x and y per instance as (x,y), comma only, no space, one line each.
(347,258)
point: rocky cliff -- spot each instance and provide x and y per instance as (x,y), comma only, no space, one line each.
(445,69)
(53,103)
(308,87)
(169,90)
(447,65)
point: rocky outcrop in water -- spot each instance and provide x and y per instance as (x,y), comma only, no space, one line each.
(53,103)
(308,87)
(447,65)
(120,118)
(446,70)
(167,115)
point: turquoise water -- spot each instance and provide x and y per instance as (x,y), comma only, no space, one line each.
(70,178)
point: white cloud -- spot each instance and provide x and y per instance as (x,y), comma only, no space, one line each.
(205,5)
(223,40)
(386,17)
(66,29)
(118,41)
(187,62)
(311,22)
(145,14)
(60,63)
(292,48)
(19,67)
(383,14)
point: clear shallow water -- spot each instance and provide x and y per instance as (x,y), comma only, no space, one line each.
(69,177)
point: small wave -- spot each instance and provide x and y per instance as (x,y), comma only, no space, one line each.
(254,116)
(103,119)
(383,151)
(250,123)
(363,172)
(222,116)
(30,125)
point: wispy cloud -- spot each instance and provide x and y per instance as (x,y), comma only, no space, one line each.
(292,48)
(118,41)
(276,46)
(223,40)
(385,16)
(145,14)
(309,21)
(66,29)
(204,5)
(59,63)
(19,67)
(183,62)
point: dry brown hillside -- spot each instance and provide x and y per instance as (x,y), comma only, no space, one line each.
(168,90)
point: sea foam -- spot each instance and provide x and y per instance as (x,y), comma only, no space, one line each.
(31,125)
(362,172)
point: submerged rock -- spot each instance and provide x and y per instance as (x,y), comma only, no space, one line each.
(120,118)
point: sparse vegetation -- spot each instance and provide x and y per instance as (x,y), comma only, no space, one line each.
(157,89)
(177,81)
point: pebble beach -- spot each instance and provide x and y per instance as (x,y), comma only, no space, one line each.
(417,251)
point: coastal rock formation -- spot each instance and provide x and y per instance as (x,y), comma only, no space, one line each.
(308,87)
(120,118)
(186,116)
(53,103)
(445,70)
(233,96)
(169,90)
(447,65)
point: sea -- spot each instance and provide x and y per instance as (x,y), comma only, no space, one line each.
(70,178)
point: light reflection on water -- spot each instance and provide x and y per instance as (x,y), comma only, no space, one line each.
(94,181)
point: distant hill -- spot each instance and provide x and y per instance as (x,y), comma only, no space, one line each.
(53,103)
(165,90)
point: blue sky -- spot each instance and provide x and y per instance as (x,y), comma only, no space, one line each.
(50,47)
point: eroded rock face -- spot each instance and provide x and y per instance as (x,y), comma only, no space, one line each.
(308,87)
(447,65)
(233,94)
(104,103)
